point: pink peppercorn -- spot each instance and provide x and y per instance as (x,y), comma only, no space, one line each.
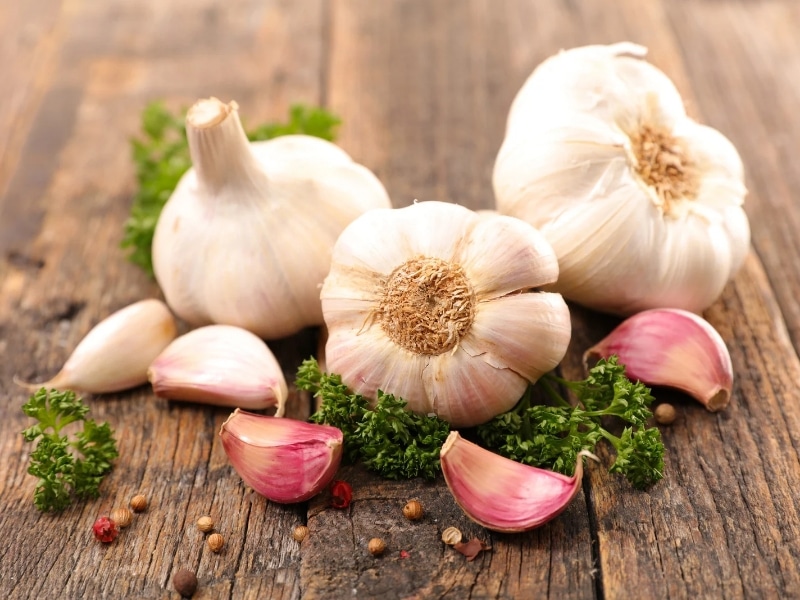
(341,493)
(105,530)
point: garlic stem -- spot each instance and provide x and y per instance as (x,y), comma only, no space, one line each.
(220,149)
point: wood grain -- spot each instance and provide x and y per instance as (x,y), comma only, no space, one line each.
(423,89)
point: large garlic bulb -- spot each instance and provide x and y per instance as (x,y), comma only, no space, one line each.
(246,237)
(438,305)
(642,205)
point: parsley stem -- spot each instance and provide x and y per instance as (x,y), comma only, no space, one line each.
(550,390)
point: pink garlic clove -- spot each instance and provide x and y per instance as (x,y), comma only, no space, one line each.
(501,494)
(672,348)
(116,352)
(221,365)
(284,460)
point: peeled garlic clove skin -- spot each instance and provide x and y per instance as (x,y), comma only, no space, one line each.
(672,348)
(116,352)
(501,494)
(226,246)
(642,205)
(285,460)
(220,365)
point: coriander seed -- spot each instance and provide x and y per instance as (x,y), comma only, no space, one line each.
(300,532)
(451,536)
(216,542)
(122,517)
(139,503)
(205,524)
(413,510)
(665,414)
(376,546)
(185,583)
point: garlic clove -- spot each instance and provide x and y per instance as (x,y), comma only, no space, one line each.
(221,365)
(284,460)
(116,353)
(501,494)
(672,348)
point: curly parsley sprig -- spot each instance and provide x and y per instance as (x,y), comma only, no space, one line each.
(66,466)
(161,157)
(387,439)
(552,435)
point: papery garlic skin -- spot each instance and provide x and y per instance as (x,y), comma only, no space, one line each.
(116,353)
(285,460)
(433,303)
(672,348)
(642,205)
(501,494)
(221,365)
(246,237)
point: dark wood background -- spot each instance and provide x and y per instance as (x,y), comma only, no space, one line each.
(423,88)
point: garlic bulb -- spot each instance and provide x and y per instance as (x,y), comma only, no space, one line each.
(246,237)
(221,365)
(642,205)
(116,352)
(436,304)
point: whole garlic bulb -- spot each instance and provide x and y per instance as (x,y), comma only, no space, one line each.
(436,304)
(642,205)
(246,237)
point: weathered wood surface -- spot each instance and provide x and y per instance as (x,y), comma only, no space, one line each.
(423,89)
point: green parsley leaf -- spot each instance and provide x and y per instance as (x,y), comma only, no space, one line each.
(64,466)
(551,436)
(387,439)
(161,157)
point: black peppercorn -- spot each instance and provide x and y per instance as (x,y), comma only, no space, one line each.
(185,583)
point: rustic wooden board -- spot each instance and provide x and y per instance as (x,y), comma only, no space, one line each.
(423,89)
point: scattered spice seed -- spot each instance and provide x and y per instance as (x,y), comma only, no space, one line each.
(342,494)
(376,546)
(413,510)
(205,524)
(472,548)
(139,503)
(665,414)
(105,530)
(216,542)
(122,517)
(300,532)
(185,583)
(404,554)
(451,536)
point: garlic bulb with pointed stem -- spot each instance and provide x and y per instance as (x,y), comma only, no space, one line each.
(437,305)
(246,237)
(642,205)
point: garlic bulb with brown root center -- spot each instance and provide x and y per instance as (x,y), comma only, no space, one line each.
(437,305)
(642,204)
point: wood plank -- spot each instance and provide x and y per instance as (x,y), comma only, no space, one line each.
(423,89)
(115,57)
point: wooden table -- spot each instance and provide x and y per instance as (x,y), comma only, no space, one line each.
(423,89)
